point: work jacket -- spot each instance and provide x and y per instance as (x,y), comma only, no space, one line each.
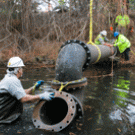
(61,2)
(11,91)
(98,39)
(122,20)
(122,42)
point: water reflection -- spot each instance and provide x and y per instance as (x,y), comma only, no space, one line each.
(113,99)
(122,94)
(109,103)
(101,100)
(124,100)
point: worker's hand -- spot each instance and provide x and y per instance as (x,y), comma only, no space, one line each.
(110,45)
(47,96)
(38,84)
(107,44)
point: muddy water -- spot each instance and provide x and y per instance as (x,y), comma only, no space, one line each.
(108,102)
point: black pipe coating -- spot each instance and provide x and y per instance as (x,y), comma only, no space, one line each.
(75,56)
(70,62)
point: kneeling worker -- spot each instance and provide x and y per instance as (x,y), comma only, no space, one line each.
(101,38)
(12,94)
(123,44)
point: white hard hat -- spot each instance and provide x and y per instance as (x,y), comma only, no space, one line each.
(104,32)
(15,62)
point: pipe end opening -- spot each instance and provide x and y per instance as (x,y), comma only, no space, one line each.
(53,112)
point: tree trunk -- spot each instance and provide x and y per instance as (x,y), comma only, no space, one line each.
(26,17)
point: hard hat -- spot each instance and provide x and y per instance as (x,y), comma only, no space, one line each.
(15,62)
(116,34)
(104,33)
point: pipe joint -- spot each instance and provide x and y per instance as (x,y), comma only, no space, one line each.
(57,114)
(86,48)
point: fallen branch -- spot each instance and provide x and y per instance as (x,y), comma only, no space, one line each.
(82,30)
(6,46)
(6,36)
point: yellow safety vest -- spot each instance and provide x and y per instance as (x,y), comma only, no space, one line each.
(97,42)
(122,20)
(61,2)
(122,42)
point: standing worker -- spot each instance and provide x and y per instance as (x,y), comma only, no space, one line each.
(61,2)
(122,23)
(123,44)
(12,94)
(101,38)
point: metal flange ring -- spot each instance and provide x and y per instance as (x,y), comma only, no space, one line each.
(86,48)
(46,112)
(79,108)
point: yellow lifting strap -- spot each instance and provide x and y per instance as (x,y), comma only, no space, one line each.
(132,52)
(34,88)
(90,32)
(63,86)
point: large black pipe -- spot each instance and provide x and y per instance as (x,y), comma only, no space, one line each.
(75,56)
(100,52)
(69,63)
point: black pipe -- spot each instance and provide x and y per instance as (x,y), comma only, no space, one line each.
(101,51)
(70,62)
(75,56)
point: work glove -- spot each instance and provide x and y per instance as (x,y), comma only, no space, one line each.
(47,96)
(107,44)
(38,84)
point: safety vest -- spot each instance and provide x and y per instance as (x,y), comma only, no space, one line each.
(97,42)
(122,20)
(122,42)
(61,2)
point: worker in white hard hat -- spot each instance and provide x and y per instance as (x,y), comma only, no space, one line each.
(101,38)
(12,94)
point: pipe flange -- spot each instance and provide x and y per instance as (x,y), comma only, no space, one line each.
(72,84)
(40,118)
(86,48)
(79,108)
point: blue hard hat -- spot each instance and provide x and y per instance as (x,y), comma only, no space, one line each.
(116,34)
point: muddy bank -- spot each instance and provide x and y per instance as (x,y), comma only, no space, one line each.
(46,56)
(116,64)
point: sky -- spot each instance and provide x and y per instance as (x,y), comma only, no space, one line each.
(44,6)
